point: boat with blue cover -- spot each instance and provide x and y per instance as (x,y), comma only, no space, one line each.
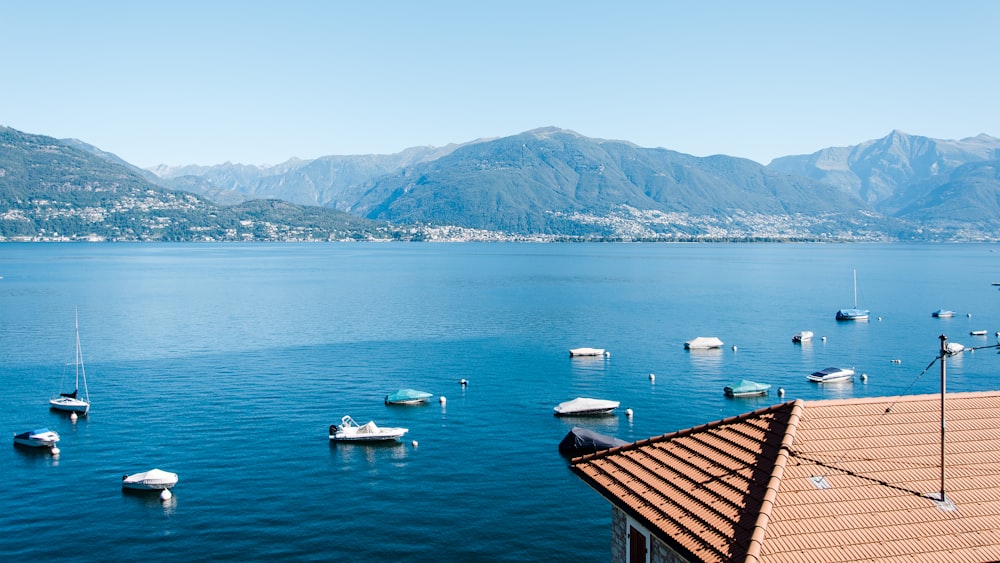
(746,388)
(407,397)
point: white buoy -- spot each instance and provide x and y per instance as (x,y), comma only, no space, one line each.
(823,339)
(166,494)
(73,417)
(897,361)
(652,377)
(781,391)
(968,315)
(628,413)
(607,354)
(880,318)
(464,382)
(734,347)
(864,377)
(442,400)
(55,450)
(414,443)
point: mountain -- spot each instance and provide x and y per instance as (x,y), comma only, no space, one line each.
(892,172)
(539,180)
(67,190)
(320,181)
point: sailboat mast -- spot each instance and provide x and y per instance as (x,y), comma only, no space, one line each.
(79,360)
(855,289)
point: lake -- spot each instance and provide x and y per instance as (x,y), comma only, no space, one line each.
(226,363)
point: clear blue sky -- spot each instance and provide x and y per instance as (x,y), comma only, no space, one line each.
(260,82)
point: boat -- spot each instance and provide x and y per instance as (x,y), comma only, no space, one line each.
(943,313)
(831,375)
(581,441)
(977,332)
(38,438)
(350,431)
(71,402)
(953,348)
(746,388)
(703,343)
(407,397)
(583,406)
(854,313)
(588,352)
(152,480)
(804,336)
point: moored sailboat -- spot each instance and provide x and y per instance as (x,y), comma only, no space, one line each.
(71,402)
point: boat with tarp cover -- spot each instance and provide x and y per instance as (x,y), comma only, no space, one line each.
(581,441)
(585,406)
(407,397)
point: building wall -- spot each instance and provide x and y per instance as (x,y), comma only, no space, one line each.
(659,552)
(619,535)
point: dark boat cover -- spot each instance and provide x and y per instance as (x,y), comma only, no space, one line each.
(580,441)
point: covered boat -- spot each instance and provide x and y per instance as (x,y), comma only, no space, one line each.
(831,375)
(703,343)
(407,397)
(588,352)
(943,313)
(584,406)
(350,431)
(953,348)
(580,441)
(746,388)
(37,438)
(152,480)
(804,336)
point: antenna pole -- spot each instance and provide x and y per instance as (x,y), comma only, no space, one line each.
(944,354)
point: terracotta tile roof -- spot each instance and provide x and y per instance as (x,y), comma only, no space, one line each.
(844,480)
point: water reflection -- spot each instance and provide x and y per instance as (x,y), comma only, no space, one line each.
(369,452)
(708,360)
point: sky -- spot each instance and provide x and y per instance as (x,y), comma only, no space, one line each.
(252,82)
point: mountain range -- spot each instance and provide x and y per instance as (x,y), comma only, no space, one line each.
(556,183)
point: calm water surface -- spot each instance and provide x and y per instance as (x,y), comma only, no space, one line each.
(227,363)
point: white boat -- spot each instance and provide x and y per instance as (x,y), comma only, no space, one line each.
(953,348)
(804,336)
(853,313)
(152,480)
(588,352)
(977,332)
(703,343)
(943,314)
(831,375)
(38,438)
(350,431)
(71,402)
(583,406)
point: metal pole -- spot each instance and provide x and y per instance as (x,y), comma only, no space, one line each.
(944,354)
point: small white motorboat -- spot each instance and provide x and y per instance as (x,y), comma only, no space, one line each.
(588,352)
(152,480)
(703,343)
(804,336)
(831,375)
(977,332)
(583,406)
(38,438)
(350,431)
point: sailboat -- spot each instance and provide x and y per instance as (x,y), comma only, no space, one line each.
(853,314)
(71,402)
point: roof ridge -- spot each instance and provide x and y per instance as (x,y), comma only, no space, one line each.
(777,472)
(708,426)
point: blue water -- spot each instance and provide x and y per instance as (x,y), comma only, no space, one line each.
(227,363)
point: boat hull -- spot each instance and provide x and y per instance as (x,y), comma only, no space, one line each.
(581,352)
(68,404)
(853,315)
